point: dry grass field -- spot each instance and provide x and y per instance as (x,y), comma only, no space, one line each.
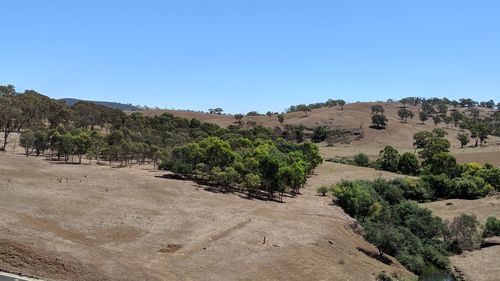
(353,116)
(90,222)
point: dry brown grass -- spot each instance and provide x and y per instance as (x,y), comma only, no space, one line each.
(357,115)
(133,224)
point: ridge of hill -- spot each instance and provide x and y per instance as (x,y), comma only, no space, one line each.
(354,117)
(113,105)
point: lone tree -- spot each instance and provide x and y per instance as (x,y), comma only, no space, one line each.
(437,119)
(404,114)
(217,110)
(306,109)
(377,109)
(341,103)
(281,118)
(239,118)
(405,101)
(379,121)
(423,116)
(463,138)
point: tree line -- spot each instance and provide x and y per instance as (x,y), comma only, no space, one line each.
(252,165)
(252,159)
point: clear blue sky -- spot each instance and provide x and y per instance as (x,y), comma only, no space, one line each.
(247,55)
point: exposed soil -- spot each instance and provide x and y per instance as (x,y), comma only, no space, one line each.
(102,223)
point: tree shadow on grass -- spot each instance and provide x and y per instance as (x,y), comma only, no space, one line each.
(215,188)
(377,127)
(375,255)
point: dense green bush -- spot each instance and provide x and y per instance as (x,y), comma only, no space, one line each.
(361,159)
(388,159)
(408,164)
(492,227)
(356,198)
(261,164)
(319,134)
(403,229)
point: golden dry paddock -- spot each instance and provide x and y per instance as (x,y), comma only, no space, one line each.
(90,222)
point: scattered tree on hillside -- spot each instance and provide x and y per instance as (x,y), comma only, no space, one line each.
(379,121)
(423,116)
(437,119)
(404,114)
(239,118)
(281,118)
(447,120)
(341,103)
(217,110)
(377,109)
(306,109)
(463,138)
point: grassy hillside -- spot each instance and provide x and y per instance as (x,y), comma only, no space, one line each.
(354,116)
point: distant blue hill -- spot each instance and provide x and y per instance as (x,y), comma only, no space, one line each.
(114,105)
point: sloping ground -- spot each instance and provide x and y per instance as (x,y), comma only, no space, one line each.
(480,265)
(482,208)
(96,222)
(354,116)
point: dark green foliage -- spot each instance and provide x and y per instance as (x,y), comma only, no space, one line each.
(319,134)
(442,163)
(492,227)
(388,159)
(379,121)
(423,116)
(394,225)
(404,114)
(356,198)
(361,159)
(408,164)
(328,103)
(433,147)
(266,165)
(463,138)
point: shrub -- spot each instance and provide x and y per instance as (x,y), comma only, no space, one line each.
(490,175)
(492,227)
(436,254)
(361,159)
(413,263)
(319,134)
(463,233)
(382,276)
(408,164)
(322,190)
(417,190)
(442,163)
(469,187)
(355,198)
(388,159)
